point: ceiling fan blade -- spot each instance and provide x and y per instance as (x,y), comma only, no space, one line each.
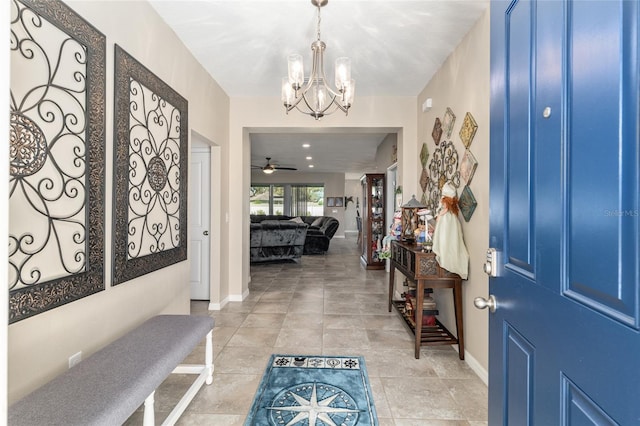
(285,168)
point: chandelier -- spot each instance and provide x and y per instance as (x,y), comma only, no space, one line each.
(313,95)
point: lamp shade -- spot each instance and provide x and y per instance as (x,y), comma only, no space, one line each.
(349,93)
(296,70)
(343,72)
(288,93)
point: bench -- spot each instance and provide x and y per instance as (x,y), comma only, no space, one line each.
(108,387)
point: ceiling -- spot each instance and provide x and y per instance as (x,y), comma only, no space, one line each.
(395,46)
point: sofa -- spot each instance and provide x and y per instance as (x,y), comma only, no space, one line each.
(319,233)
(276,240)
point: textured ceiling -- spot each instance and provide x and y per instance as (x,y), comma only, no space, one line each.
(395,47)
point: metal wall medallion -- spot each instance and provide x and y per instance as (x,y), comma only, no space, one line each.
(56,157)
(436,133)
(447,122)
(468,129)
(467,203)
(468,167)
(150,172)
(442,168)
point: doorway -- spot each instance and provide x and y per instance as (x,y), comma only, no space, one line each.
(204,218)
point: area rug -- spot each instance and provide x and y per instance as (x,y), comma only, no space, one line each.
(301,390)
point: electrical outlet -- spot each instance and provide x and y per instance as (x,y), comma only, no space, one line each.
(75,359)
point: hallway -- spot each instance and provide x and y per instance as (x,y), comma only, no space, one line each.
(326,305)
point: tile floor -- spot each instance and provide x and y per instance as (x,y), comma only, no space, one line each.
(325,305)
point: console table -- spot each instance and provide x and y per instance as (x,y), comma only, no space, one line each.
(423,269)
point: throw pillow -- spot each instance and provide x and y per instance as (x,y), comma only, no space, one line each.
(296,220)
(317,223)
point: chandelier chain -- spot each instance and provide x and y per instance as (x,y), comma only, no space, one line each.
(319,20)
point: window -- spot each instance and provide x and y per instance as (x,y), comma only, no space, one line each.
(287,199)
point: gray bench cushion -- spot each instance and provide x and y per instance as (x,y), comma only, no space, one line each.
(107,387)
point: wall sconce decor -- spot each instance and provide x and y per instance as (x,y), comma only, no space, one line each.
(150,162)
(56,158)
(348,200)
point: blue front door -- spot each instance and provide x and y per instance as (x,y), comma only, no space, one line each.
(565,153)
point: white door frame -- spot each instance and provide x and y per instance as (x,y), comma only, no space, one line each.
(391,183)
(215,217)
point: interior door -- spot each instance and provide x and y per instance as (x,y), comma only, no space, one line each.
(564,340)
(200,222)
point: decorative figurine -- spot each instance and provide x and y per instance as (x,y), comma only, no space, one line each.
(448,243)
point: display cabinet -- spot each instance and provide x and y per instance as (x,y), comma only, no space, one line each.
(373,229)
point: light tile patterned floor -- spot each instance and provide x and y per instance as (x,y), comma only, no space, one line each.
(326,305)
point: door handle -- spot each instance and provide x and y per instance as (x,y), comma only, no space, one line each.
(482,303)
(205,233)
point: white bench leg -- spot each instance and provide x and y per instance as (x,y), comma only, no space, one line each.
(149,414)
(208,357)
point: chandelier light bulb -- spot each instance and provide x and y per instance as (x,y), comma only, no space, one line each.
(343,72)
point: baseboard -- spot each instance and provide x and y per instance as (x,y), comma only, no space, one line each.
(468,358)
(338,236)
(239,297)
(475,366)
(230,298)
(218,306)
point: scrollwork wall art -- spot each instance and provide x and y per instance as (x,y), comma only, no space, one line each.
(442,168)
(56,155)
(150,172)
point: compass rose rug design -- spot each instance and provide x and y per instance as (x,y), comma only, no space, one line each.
(300,390)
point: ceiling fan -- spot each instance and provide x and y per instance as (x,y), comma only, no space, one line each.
(270,168)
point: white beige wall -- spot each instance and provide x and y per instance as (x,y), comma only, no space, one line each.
(462,83)
(352,188)
(39,347)
(384,153)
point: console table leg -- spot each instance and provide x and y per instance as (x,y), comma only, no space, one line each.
(391,284)
(418,315)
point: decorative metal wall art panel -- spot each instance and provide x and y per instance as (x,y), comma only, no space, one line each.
(150,172)
(436,133)
(424,180)
(447,122)
(424,155)
(467,203)
(424,176)
(468,129)
(443,167)
(56,156)
(468,167)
